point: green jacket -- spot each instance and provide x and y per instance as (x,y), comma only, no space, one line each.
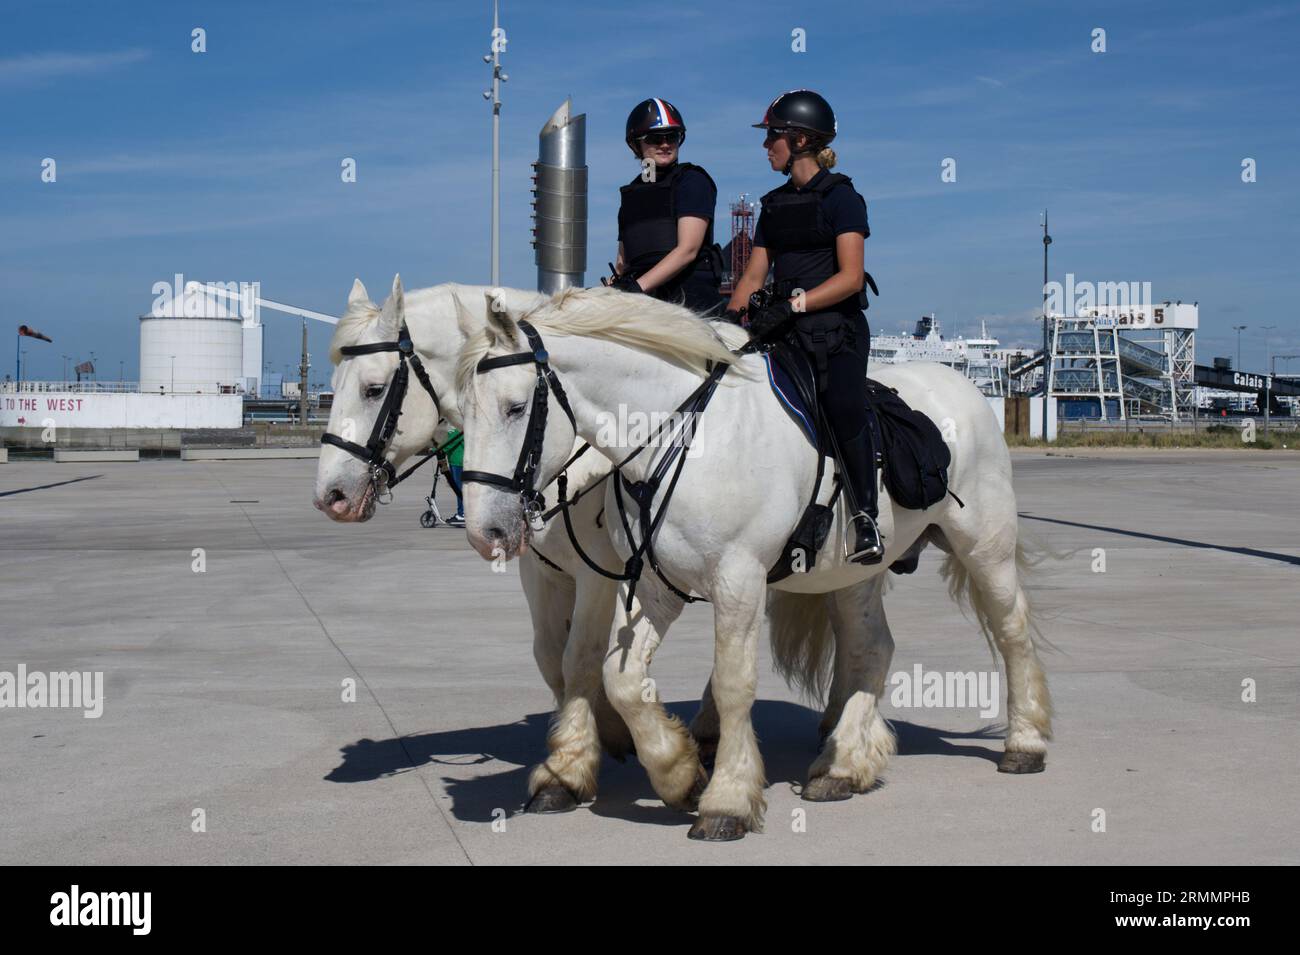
(456,455)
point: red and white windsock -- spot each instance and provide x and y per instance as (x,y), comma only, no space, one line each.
(30,332)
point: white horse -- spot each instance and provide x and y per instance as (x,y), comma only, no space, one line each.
(571,607)
(727,522)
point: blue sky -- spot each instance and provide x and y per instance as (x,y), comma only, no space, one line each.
(225,165)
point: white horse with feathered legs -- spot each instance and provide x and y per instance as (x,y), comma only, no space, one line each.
(566,602)
(571,606)
(727,523)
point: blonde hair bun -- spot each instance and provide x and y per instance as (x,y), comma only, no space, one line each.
(826,158)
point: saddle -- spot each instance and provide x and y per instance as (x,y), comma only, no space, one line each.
(909,448)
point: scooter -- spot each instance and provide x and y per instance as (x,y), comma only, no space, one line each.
(432,517)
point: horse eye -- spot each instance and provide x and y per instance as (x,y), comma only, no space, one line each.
(514,411)
(374,391)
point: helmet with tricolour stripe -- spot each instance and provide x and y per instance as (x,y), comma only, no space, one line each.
(653,115)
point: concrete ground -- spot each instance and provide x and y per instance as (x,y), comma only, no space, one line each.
(223,688)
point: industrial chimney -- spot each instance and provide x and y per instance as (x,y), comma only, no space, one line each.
(560,203)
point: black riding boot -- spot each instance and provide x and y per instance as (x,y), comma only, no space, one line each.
(858,468)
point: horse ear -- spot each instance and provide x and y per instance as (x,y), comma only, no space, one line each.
(501,326)
(393,315)
(468,323)
(358,295)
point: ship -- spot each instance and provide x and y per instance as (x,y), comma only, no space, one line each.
(976,358)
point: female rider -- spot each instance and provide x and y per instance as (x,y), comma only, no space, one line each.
(665,221)
(811,232)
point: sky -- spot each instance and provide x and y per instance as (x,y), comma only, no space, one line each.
(225,165)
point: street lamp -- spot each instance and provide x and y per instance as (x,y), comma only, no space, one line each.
(1238,329)
(493,96)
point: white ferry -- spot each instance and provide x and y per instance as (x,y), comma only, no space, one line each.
(976,358)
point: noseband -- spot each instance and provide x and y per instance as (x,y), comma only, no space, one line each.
(382,473)
(524,480)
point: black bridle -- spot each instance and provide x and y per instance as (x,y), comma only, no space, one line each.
(524,481)
(383,476)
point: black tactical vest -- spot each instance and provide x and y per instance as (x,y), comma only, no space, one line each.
(649,218)
(799,238)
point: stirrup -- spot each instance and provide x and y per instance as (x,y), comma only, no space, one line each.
(874,552)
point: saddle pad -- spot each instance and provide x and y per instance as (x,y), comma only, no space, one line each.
(791,399)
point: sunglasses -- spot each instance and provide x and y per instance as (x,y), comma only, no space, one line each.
(673,138)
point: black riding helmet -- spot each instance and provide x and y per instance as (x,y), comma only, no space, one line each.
(801,110)
(653,115)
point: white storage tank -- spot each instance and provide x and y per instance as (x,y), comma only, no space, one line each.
(192,345)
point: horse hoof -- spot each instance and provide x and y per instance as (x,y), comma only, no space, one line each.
(1022,762)
(827,789)
(552,798)
(717,829)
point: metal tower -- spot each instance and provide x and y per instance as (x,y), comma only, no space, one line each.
(560,203)
(742,240)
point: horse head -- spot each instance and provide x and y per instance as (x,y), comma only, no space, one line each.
(367,357)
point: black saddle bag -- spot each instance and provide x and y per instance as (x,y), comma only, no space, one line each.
(916,457)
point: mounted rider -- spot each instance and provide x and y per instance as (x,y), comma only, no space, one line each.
(811,232)
(665,219)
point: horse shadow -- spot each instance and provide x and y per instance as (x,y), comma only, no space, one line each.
(787,734)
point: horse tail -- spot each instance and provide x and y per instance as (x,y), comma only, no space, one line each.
(961,588)
(803,644)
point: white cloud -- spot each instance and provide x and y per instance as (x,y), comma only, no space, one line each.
(42,67)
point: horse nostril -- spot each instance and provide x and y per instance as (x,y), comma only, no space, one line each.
(334,496)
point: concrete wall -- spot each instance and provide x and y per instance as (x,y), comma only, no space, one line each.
(999,408)
(1036,418)
(108,410)
(260,435)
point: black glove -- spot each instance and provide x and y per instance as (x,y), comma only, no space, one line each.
(767,322)
(733,316)
(625,283)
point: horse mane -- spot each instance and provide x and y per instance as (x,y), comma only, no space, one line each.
(668,331)
(360,318)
